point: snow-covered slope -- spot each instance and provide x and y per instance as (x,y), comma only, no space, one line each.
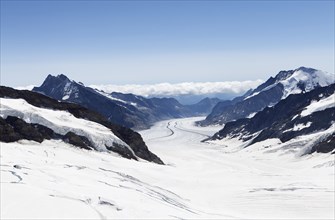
(53,180)
(33,116)
(298,117)
(62,122)
(300,80)
(319,105)
(269,93)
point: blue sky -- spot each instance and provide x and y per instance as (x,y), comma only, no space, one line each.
(143,42)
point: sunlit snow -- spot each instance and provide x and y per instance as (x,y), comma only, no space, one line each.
(61,122)
(200,180)
(320,105)
(310,81)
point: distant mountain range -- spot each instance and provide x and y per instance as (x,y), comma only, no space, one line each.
(186,93)
(27,115)
(267,94)
(124,109)
(296,107)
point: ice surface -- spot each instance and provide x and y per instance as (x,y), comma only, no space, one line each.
(201,180)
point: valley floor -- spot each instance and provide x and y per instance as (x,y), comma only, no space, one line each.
(200,180)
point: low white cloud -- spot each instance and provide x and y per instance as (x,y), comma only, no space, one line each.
(186,88)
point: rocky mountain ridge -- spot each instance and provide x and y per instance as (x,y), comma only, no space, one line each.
(16,124)
(310,113)
(268,94)
(128,110)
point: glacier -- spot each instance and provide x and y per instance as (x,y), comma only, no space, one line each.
(200,181)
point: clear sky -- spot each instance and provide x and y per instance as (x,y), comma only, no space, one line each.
(143,42)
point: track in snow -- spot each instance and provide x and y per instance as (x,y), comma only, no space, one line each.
(189,131)
(165,136)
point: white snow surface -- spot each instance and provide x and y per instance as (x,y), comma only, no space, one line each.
(298,127)
(60,122)
(311,81)
(66,97)
(320,105)
(69,89)
(110,96)
(251,115)
(200,180)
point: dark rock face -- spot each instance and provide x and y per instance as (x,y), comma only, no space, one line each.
(52,85)
(325,146)
(279,121)
(130,137)
(204,107)
(267,94)
(14,129)
(128,110)
(77,140)
(169,108)
(7,133)
(229,111)
(63,89)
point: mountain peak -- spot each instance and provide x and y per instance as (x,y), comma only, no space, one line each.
(284,74)
(302,79)
(306,69)
(63,84)
(59,78)
(63,77)
(285,83)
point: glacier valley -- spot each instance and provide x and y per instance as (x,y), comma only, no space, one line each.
(201,180)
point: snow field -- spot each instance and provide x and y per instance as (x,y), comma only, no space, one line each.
(200,180)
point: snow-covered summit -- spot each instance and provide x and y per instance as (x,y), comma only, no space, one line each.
(305,80)
(269,93)
(296,81)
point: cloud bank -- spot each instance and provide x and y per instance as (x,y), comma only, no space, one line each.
(186,88)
